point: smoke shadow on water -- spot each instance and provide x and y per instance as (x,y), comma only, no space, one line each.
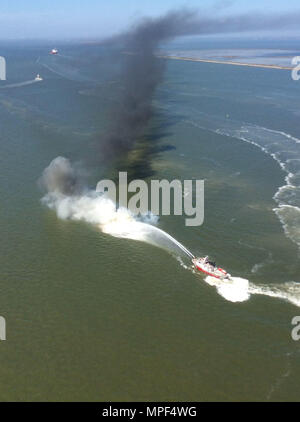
(138,161)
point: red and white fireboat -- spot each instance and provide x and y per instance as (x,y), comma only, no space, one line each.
(210,268)
(54,51)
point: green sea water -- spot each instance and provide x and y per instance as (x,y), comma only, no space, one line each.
(92,317)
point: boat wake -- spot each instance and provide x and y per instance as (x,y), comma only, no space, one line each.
(289,291)
(240,290)
(20,84)
(235,289)
(66,67)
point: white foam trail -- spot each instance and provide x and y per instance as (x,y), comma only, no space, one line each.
(234,290)
(182,264)
(20,84)
(66,72)
(240,290)
(289,291)
(282,147)
(257,267)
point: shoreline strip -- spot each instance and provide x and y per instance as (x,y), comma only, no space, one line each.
(191,59)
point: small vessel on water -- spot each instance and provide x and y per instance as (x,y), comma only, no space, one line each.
(38,77)
(54,51)
(210,268)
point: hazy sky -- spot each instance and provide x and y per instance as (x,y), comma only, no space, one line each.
(68,19)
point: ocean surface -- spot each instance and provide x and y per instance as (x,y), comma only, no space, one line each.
(105,308)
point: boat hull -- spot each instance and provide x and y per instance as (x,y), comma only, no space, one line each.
(218,273)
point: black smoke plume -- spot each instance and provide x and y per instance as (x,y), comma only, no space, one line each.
(141,73)
(142,70)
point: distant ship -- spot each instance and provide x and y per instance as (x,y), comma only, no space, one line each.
(54,51)
(38,78)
